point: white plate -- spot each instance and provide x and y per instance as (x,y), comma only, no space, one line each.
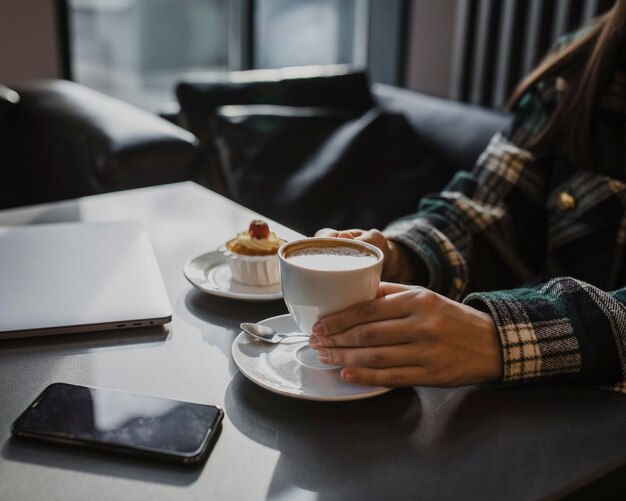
(211,273)
(291,368)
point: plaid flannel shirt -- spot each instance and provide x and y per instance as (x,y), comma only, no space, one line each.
(538,244)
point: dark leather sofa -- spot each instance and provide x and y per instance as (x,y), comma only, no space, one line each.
(308,150)
(61,140)
(329,149)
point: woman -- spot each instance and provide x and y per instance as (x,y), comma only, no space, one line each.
(532,242)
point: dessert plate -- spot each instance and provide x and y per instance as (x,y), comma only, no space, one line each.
(210,273)
(292,369)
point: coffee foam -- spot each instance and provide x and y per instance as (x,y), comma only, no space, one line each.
(329,251)
(331,257)
(326,246)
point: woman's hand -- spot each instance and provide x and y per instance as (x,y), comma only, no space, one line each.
(410,336)
(396,264)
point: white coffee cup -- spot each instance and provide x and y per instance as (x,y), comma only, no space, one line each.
(312,292)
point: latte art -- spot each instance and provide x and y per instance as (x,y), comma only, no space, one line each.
(331,258)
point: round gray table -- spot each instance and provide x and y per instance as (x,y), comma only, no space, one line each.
(419,443)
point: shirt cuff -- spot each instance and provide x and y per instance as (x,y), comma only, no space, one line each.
(446,267)
(538,340)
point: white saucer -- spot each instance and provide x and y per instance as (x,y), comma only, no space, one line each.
(292,369)
(211,273)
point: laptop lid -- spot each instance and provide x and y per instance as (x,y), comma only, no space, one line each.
(78,277)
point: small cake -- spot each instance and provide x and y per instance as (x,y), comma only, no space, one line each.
(252,255)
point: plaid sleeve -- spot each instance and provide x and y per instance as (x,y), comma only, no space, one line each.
(490,209)
(474,234)
(563,331)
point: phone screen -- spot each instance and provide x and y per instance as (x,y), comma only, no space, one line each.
(124,422)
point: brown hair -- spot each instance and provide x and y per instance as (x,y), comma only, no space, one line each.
(594,57)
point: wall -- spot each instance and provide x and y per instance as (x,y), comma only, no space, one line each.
(28,40)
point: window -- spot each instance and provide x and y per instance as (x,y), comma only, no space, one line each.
(137,50)
(288,33)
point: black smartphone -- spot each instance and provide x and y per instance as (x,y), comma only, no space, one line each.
(140,425)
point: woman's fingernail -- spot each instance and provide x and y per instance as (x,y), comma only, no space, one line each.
(314,342)
(319,329)
(323,355)
(347,376)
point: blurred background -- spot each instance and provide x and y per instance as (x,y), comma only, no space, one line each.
(468,50)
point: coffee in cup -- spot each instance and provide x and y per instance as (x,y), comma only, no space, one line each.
(321,275)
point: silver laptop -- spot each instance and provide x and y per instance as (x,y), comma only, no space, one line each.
(78,277)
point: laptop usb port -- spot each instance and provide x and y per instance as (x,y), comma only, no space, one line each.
(120,325)
(137,323)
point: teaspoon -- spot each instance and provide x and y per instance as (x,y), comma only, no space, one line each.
(267,334)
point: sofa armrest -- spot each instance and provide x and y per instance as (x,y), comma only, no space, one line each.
(8,101)
(71,141)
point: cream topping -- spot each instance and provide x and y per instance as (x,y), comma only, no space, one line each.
(272,242)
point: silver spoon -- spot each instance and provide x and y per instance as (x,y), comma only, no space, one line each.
(267,334)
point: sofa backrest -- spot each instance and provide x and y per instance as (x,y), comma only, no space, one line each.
(456,132)
(335,86)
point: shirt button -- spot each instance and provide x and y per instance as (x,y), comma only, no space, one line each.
(565,202)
